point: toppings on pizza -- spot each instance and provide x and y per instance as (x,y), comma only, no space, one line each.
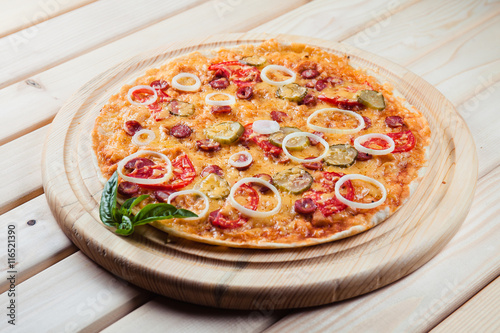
(280,75)
(192,202)
(186,82)
(294,139)
(131,127)
(142,95)
(179,108)
(342,102)
(338,121)
(242,184)
(241,160)
(291,92)
(156,168)
(265,126)
(225,133)
(404,141)
(143,137)
(374,144)
(341,155)
(370,199)
(371,99)
(253,60)
(294,180)
(219,99)
(213,185)
(183,174)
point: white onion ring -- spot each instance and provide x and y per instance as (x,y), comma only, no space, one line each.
(310,135)
(233,159)
(249,212)
(136,139)
(150,100)
(182,87)
(265,126)
(354,204)
(201,194)
(336,130)
(263,75)
(145,181)
(362,139)
(230,101)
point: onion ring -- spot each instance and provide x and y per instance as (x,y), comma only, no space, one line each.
(249,212)
(230,101)
(362,139)
(136,139)
(309,135)
(201,194)
(150,100)
(354,204)
(265,126)
(263,75)
(145,181)
(182,87)
(236,163)
(336,130)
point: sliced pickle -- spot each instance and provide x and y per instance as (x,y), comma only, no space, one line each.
(226,132)
(371,99)
(214,186)
(297,143)
(342,155)
(180,108)
(294,180)
(292,92)
(254,60)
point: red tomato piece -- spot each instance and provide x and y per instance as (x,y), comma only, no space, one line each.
(260,140)
(404,141)
(342,103)
(183,174)
(218,219)
(327,206)
(376,144)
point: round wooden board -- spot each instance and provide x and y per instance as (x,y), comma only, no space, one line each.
(262,279)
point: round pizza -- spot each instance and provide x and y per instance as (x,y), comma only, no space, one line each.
(261,146)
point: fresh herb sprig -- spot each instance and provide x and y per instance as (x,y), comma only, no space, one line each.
(122,218)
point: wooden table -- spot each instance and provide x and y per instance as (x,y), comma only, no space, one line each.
(51,48)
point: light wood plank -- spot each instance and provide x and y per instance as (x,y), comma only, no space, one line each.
(21,178)
(421,28)
(18,15)
(157,315)
(479,314)
(39,246)
(421,300)
(72,295)
(40,97)
(67,36)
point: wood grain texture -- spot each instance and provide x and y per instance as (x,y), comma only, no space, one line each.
(41,245)
(18,15)
(40,97)
(66,36)
(235,278)
(418,302)
(73,295)
(479,314)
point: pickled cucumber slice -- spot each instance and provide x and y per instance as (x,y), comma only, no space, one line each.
(254,60)
(291,92)
(298,143)
(341,155)
(371,99)
(180,108)
(294,180)
(226,132)
(214,186)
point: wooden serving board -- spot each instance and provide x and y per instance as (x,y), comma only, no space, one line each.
(262,279)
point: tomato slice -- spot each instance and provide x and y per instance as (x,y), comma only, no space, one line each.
(260,140)
(183,174)
(218,219)
(376,144)
(330,205)
(342,103)
(404,141)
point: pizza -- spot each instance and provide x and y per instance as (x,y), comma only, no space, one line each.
(270,146)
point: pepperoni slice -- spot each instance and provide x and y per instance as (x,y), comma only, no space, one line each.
(212,169)
(162,196)
(221,83)
(404,141)
(221,109)
(305,206)
(183,174)
(309,73)
(363,156)
(342,103)
(138,163)
(159,85)
(313,165)
(368,122)
(245,92)
(181,131)
(208,145)
(394,121)
(321,84)
(131,127)
(128,189)
(334,81)
(309,100)
(278,116)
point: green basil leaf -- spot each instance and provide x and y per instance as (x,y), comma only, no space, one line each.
(126,227)
(160,211)
(126,208)
(107,207)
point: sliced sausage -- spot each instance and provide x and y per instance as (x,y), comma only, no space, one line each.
(265,177)
(309,100)
(309,73)
(305,206)
(313,165)
(313,141)
(131,127)
(363,157)
(138,163)
(181,131)
(208,145)
(212,169)
(368,122)
(159,84)
(321,84)
(244,92)
(128,189)
(278,116)
(394,121)
(221,83)
(162,196)
(224,109)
